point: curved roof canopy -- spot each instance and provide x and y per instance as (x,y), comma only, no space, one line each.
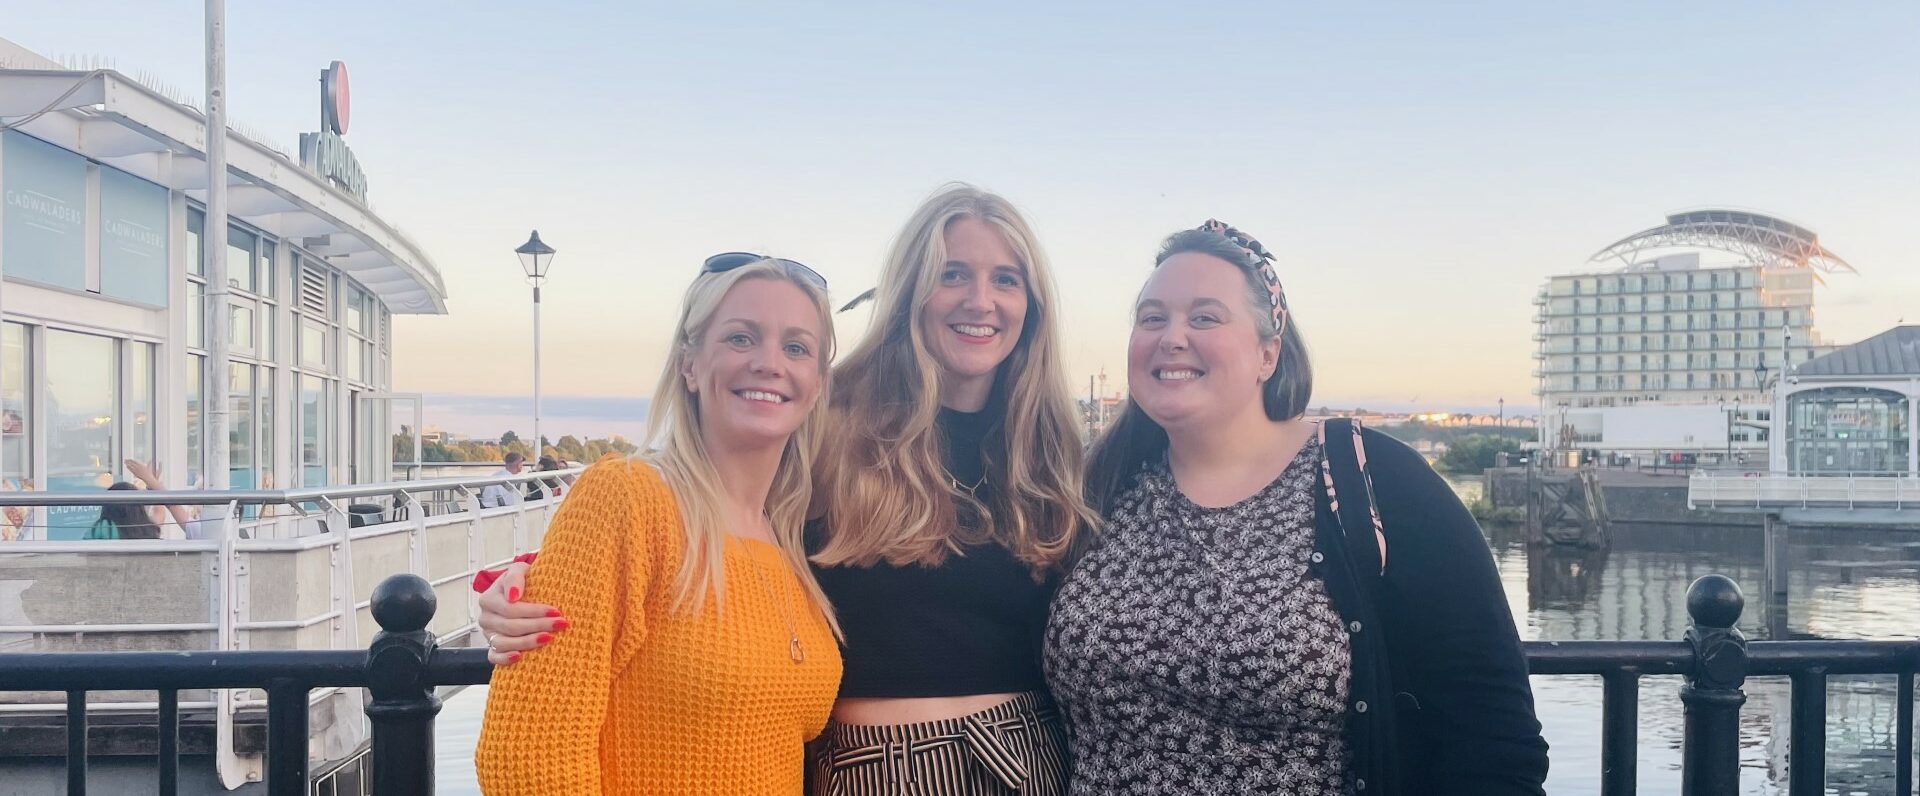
(1763,240)
(111,118)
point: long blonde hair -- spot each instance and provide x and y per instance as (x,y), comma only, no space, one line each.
(673,423)
(883,479)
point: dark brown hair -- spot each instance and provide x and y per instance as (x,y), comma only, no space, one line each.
(1135,439)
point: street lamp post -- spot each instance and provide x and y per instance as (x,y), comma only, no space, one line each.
(535,258)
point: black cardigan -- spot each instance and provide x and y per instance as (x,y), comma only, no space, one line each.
(1439,702)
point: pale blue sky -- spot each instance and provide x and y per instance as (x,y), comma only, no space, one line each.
(1420,167)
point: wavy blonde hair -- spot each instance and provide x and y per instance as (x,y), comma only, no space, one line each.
(673,423)
(883,481)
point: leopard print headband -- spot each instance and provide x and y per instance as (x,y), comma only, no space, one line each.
(1258,260)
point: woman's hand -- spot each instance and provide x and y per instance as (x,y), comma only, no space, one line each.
(146,474)
(511,627)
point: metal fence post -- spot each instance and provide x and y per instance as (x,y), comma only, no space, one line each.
(1712,696)
(403,704)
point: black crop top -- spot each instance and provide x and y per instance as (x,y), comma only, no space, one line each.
(971,625)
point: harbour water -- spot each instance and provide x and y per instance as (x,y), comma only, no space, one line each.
(1845,584)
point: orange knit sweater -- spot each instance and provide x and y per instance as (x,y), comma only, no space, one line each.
(636,697)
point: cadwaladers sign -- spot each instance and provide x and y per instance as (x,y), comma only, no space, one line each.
(325,153)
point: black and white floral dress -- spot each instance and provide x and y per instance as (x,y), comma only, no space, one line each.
(1196,650)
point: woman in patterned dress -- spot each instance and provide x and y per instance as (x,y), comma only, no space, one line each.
(1236,627)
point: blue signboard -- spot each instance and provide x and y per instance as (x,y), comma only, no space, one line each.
(133,238)
(43,206)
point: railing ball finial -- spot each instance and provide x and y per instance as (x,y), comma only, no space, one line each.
(404,603)
(1715,601)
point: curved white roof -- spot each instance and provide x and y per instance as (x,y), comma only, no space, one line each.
(1763,240)
(108,117)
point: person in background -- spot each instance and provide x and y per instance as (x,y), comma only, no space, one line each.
(551,486)
(497,495)
(129,521)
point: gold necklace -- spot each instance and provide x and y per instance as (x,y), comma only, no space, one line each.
(960,487)
(794,650)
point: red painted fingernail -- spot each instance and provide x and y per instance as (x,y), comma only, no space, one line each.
(513,594)
(553,612)
(543,638)
(561,624)
(514,658)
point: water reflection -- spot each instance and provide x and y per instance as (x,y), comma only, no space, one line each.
(1844,584)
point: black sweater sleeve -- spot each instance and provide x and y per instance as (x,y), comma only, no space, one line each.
(1451,637)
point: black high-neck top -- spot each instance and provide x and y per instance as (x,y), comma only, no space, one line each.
(971,625)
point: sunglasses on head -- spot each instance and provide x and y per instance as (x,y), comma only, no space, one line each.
(722,263)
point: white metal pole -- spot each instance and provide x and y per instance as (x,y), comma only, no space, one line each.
(214,236)
(536,372)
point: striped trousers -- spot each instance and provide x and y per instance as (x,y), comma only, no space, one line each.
(1016,747)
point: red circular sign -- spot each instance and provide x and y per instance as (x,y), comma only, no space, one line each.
(335,100)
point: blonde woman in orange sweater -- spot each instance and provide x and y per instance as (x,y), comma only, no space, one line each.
(701,653)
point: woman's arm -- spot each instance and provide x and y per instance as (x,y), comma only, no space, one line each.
(149,478)
(1450,632)
(543,721)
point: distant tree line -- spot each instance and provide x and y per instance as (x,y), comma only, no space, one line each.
(568,448)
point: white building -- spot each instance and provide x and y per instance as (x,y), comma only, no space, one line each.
(1854,411)
(1668,353)
(103,351)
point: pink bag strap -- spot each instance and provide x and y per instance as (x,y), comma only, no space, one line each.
(1366,483)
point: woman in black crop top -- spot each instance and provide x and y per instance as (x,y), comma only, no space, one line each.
(948,494)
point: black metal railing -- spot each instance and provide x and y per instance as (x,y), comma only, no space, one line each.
(403,665)
(400,669)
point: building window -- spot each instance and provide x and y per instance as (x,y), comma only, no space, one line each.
(241,248)
(83,450)
(241,466)
(196,427)
(315,395)
(141,439)
(313,344)
(16,414)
